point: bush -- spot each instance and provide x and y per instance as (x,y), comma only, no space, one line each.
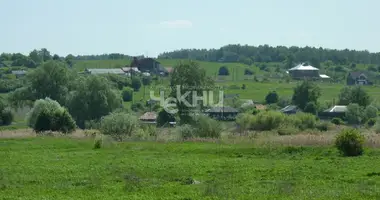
(267,120)
(371,122)
(370,112)
(138,106)
(350,142)
(287,130)
(48,115)
(205,127)
(136,83)
(337,121)
(323,126)
(127,94)
(223,71)
(6,117)
(146,80)
(272,97)
(119,125)
(377,126)
(186,131)
(306,121)
(244,121)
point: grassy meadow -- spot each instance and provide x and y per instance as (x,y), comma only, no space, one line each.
(47,167)
(239,165)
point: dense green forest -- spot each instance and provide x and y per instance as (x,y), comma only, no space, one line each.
(229,53)
(264,53)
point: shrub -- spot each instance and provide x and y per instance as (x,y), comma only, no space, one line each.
(205,127)
(146,80)
(6,117)
(138,106)
(287,130)
(186,131)
(377,126)
(370,112)
(244,121)
(337,121)
(272,97)
(371,122)
(119,125)
(350,142)
(48,115)
(127,94)
(223,71)
(323,126)
(306,121)
(267,120)
(97,143)
(136,83)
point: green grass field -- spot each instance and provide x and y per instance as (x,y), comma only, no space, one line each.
(62,168)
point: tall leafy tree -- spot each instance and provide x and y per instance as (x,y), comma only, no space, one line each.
(188,77)
(354,95)
(52,80)
(305,93)
(92,98)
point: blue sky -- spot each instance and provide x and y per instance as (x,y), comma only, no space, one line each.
(150,27)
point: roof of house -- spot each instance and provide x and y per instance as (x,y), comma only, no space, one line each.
(324,76)
(337,108)
(289,108)
(302,67)
(356,74)
(105,71)
(127,69)
(19,72)
(149,116)
(221,109)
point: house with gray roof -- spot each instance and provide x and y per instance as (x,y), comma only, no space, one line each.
(222,113)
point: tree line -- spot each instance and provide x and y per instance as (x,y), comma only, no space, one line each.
(265,53)
(37,57)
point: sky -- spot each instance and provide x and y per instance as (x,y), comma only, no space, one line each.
(150,27)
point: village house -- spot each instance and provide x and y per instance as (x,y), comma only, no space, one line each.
(222,113)
(302,71)
(334,111)
(358,78)
(149,65)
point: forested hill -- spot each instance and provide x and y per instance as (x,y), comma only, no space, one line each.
(264,53)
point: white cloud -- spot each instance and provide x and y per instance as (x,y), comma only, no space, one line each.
(176,24)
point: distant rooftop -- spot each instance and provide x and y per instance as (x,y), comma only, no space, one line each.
(106,71)
(302,67)
(337,109)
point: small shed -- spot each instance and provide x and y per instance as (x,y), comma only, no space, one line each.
(222,113)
